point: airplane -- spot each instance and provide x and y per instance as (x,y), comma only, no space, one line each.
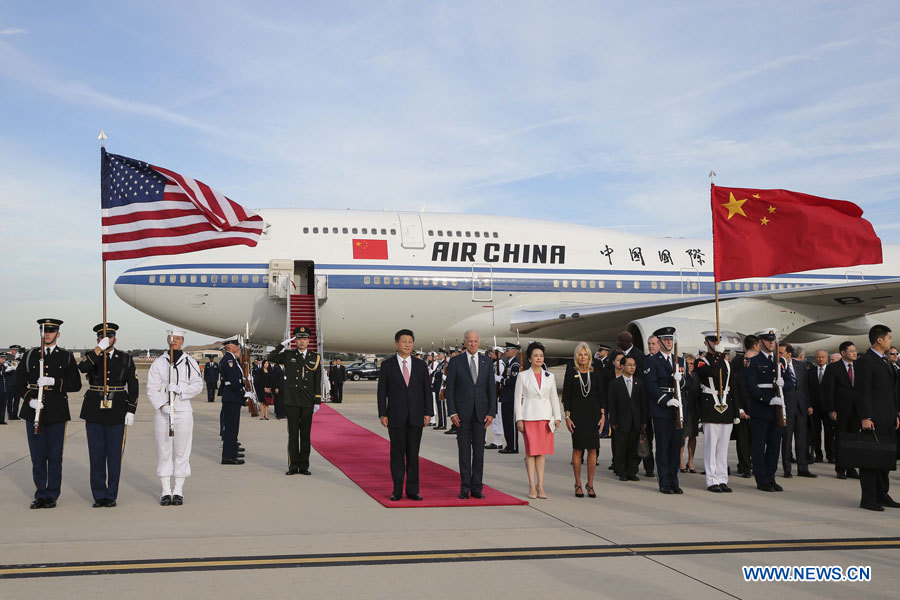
(357,276)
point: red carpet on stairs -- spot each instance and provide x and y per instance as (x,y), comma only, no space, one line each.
(364,457)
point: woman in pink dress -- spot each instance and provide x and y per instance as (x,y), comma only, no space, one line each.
(537,416)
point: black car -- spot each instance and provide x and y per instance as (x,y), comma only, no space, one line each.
(366,370)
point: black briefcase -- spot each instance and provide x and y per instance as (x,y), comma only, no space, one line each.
(864,450)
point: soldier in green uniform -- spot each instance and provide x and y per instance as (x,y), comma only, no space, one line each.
(302,395)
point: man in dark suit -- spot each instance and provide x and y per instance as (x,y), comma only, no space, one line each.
(471,402)
(837,403)
(278,391)
(627,401)
(815,374)
(796,413)
(876,402)
(625,343)
(405,407)
(337,373)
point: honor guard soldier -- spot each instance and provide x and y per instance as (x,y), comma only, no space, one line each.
(765,387)
(718,411)
(211,377)
(107,411)
(12,362)
(506,398)
(174,379)
(7,382)
(232,401)
(302,395)
(438,370)
(662,377)
(44,378)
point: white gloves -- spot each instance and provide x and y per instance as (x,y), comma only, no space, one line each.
(673,402)
(103,344)
(165,409)
(776,401)
(129,419)
(287,342)
(36,404)
(677,376)
(720,348)
(178,388)
(779,382)
(46,381)
(248,394)
(316,408)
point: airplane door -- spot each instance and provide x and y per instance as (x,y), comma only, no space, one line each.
(411,235)
(482,283)
(690,282)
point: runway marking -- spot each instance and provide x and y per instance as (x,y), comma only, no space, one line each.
(430,556)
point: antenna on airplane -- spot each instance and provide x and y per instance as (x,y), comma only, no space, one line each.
(102,137)
(712,176)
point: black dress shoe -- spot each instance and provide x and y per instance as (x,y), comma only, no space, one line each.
(177,500)
(49,503)
(725,488)
(37,503)
(852,473)
(649,474)
(478,495)
(450,432)
(292,471)
(232,461)
(841,475)
(165,501)
(240,455)
(777,487)
(623,478)
(305,472)
(747,474)
(806,474)
(110,503)
(492,446)
(99,503)
(633,478)
(714,488)
(765,487)
(889,502)
(508,451)
(414,497)
(396,497)
(610,468)
(787,475)
(875,507)
(666,490)
(464,495)
(677,490)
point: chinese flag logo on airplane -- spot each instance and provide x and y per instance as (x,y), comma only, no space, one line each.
(373,249)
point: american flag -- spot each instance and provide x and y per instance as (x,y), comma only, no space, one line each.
(149,210)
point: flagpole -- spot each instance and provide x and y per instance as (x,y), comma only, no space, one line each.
(104,402)
(712,196)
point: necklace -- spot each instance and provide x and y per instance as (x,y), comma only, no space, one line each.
(585,388)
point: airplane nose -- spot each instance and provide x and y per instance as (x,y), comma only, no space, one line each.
(124,290)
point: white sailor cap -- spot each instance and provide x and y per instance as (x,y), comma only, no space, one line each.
(178,332)
(767,334)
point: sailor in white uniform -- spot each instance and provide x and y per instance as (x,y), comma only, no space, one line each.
(497,424)
(184,381)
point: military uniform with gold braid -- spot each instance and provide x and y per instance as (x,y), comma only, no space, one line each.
(302,397)
(106,418)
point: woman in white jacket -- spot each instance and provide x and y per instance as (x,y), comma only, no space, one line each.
(173,452)
(537,416)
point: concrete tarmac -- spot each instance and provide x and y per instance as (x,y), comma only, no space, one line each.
(253,512)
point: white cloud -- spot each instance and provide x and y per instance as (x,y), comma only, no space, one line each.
(13,31)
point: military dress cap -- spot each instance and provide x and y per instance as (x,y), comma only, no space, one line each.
(510,345)
(301,332)
(235,340)
(665,332)
(16,347)
(50,324)
(109,327)
(767,334)
(4,354)
(603,347)
(710,336)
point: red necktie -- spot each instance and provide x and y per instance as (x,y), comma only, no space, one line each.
(405,373)
(850,373)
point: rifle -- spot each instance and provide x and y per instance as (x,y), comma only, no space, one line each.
(40,391)
(778,391)
(252,404)
(679,412)
(171,393)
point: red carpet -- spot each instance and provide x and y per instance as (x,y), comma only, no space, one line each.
(364,457)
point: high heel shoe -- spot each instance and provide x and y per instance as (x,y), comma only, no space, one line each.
(590,491)
(578,491)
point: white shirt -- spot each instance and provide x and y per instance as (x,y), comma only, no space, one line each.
(401,361)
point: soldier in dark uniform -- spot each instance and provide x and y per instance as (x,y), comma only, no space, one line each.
(741,431)
(211,377)
(302,395)
(507,400)
(661,376)
(7,382)
(11,409)
(762,383)
(717,411)
(233,396)
(336,375)
(601,357)
(106,418)
(437,384)
(60,376)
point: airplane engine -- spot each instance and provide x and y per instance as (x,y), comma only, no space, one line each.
(688,333)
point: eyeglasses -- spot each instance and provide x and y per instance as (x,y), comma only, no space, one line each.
(891,353)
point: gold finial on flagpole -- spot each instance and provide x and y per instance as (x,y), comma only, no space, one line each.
(102,137)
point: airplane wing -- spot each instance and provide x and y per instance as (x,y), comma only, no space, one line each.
(816,304)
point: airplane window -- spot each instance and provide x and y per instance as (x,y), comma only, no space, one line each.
(255,279)
(153,279)
(468,234)
(453,283)
(694,285)
(495,234)
(618,285)
(583,284)
(214,278)
(415,281)
(565,283)
(334,230)
(364,230)
(193,279)
(406,281)
(245,279)
(431,232)
(396,281)
(393,232)
(171,279)
(459,234)
(440,233)
(324,230)
(477,234)
(383,232)
(444,282)
(652,285)
(746,287)
(182,279)
(755,287)
(593,284)
(234,279)
(556,283)
(265,279)
(662,285)
(315,230)
(765,286)
(306,230)
(574,284)
(377,280)
(637,284)
(486,234)
(344,230)
(203,279)
(727,287)
(601,284)
(354,230)
(367,280)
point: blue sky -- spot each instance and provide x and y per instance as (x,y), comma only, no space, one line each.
(590,112)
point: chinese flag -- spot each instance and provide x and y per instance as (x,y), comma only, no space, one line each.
(757,233)
(376,249)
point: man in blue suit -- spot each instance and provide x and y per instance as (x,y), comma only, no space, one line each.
(471,402)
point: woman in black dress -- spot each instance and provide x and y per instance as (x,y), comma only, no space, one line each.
(584,402)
